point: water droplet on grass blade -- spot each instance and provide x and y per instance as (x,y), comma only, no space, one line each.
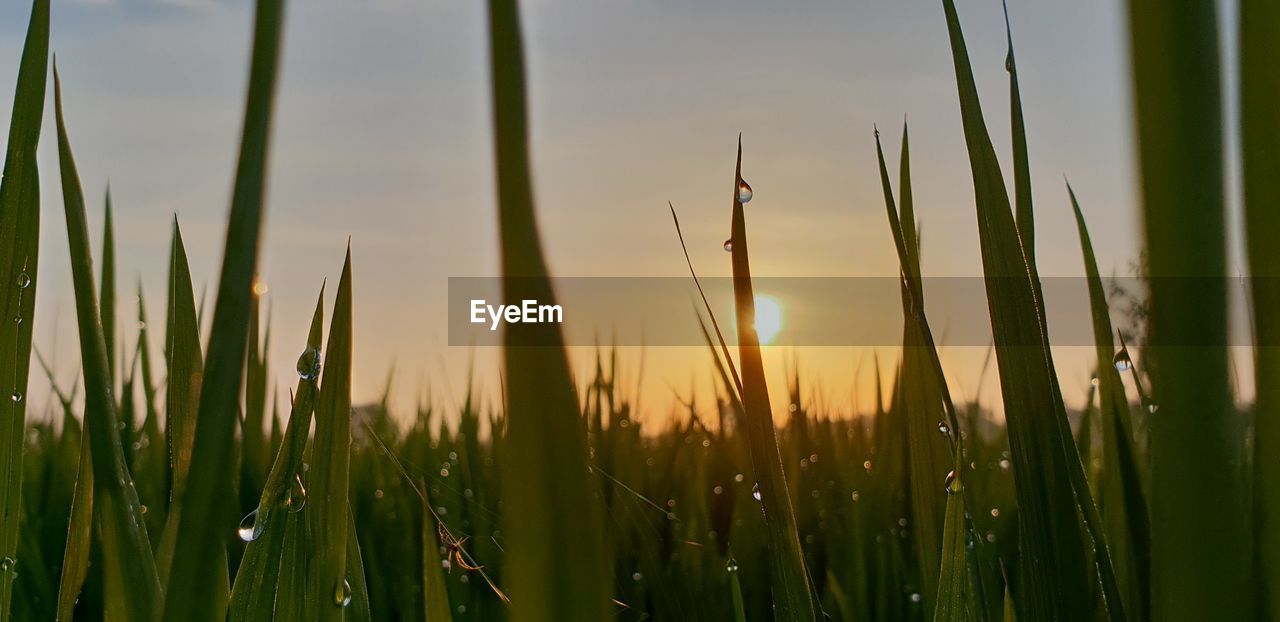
(250,528)
(944,429)
(953,484)
(342,593)
(296,499)
(1122,361)
(744,191)
(309,364)
(728,246)
(16,397)
(731,566)
(7,564)
(755,491)
(24,280)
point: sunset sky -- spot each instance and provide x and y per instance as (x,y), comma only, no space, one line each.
(382,134)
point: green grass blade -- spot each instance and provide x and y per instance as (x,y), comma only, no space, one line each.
(1123,500)
(330,466)
(556,566)
(253,596)
(75,558)
(19,255)
(929,457)
(358,610)
(952,601)
(1200,546)
(435,592)
(292,594)
(1260,133)
(107,293)
(182,396)
(197,588)
(735,592)
(792,598)
(254,459)
(132,587)
(1021,162)
(1054,576)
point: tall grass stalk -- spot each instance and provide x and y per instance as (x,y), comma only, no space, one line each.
(19,272)
(198,589)
(1201,552)
(792,598)
(132,587)
(557,562)
(1260,138)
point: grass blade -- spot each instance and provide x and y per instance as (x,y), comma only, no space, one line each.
(1123,500)
(253,596)
(1200,547)
(19,256)
(1025,214)
(132,587)
(435,592)
(107,293)
(1049,530)
(556,566)
(792,598)
(330,459)
(197,589)
(182,397)
(1260,133)
(75,559)
(929,457)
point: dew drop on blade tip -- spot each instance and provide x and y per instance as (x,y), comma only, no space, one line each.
(744,191)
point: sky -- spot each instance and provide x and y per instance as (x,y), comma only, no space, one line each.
(382,135)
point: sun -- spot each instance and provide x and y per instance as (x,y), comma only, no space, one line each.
(768,318)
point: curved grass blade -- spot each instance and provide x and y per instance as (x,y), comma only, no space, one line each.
(132,587)
(19,255)
(1054,575)
(792,598)
(1200,545)
(1124,504)
(253,597)
(75,559)
(1260,133)
(197,588)
(330,461)
(557,566)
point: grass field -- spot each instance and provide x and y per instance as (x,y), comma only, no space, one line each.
(175,489)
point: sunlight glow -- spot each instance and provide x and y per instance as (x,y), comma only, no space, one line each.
(768,318)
